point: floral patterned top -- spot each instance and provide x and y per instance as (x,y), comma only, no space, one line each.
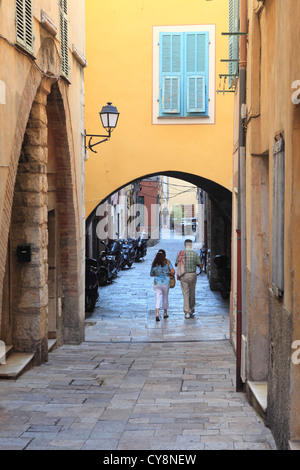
(161,274)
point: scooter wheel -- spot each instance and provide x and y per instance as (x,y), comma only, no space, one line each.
(224,294)
(90,303)
(102,278)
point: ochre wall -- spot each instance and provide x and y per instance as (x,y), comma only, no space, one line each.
(272,78)
(119,44)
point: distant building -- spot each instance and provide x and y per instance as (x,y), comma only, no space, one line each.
(133,211)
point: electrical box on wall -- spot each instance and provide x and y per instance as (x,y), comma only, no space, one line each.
(24,253)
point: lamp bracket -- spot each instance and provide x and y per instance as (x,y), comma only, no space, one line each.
(91,136)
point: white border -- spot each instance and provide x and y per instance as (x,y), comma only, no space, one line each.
(212,75)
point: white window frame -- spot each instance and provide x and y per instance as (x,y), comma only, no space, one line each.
(156,119)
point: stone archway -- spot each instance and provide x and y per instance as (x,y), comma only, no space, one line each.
(25,299)
(71,267)
(28,280)
(46,73)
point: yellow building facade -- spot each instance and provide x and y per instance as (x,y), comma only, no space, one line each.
(161,130)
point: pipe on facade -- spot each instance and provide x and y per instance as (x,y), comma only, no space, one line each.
(242,143)
(239,383)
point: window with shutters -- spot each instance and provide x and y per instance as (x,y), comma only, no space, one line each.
(24,24)
(234,27)
(184,74)
(278,219)
(64,38)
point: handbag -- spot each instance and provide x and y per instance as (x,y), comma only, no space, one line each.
(172,278)
(181,264)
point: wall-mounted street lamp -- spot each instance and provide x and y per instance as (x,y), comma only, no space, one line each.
(109,117)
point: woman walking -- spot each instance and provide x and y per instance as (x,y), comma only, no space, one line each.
(161,270)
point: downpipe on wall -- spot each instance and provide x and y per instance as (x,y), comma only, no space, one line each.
(241,180)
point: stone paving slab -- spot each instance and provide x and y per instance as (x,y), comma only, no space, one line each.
(136,384)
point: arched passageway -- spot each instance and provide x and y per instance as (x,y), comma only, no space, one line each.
(216,192)
(41,284)
(215,218)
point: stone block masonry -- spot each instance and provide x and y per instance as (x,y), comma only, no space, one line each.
(29,225)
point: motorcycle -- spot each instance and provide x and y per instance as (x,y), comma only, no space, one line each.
(107,270)
(203,259)
(91,284)
(133,242)
(128,253)
(115,249)
(132,250)
(224,273)
(202,268)
(141,248)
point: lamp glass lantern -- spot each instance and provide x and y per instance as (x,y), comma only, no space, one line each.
(109,116)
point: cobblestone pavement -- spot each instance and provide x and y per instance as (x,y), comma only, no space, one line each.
(137,384)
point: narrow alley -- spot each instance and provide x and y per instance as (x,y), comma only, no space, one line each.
(137,384)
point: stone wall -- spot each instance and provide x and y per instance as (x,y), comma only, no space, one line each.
(37,94)
(29,225)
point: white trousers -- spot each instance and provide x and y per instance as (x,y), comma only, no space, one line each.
(161,296)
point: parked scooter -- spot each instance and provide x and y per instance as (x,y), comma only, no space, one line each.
(132,250)
(203,260)
(141,248)
(91,284)
(107,270)
(128,253)
(133,242)
(224,273)
(115,249)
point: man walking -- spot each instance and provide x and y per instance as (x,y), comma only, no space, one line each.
(187,260)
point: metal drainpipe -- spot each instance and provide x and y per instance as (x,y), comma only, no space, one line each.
(242,143)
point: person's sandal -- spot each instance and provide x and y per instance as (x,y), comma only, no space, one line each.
(166,316)
(157,319)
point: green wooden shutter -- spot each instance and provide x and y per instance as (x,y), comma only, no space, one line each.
(196,94)
(278,218)
(170,73)
(64,37)
(234,27)
(196,72)
(24,24)
(171,94)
